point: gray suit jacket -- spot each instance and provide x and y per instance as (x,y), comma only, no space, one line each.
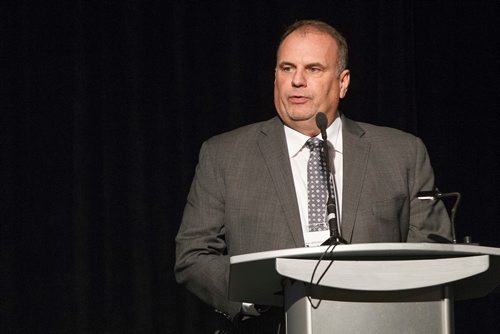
(243,200)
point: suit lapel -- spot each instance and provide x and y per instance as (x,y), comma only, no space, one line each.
(272,144)
(355,161)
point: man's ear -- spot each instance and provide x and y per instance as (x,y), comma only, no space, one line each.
(344,79)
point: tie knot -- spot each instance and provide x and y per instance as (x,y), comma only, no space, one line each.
(314,143)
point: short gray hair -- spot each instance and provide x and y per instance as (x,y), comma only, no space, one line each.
(305,25)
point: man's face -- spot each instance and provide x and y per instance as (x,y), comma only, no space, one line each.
(306,80)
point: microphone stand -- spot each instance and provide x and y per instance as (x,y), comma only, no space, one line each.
(332,205)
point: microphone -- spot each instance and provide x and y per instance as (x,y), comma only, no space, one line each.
(332,205)
(437,195)
(322,124)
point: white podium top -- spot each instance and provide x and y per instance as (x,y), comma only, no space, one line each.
(473,271)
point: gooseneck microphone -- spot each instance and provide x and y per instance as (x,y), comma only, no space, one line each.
(332,204)
(437,195)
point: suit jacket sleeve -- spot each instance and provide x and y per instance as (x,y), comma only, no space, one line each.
(427,217)
(202,263)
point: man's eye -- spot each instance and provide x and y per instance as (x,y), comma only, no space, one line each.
(286,68)
(314,69)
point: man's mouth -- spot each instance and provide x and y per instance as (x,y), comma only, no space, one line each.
(298,99)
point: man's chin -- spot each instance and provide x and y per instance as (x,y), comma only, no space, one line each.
(301,116)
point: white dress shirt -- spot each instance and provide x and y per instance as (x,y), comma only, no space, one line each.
(299,156)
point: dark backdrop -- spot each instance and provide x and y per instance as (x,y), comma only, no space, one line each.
(104,106)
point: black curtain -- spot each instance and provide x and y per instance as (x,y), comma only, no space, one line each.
(104,106)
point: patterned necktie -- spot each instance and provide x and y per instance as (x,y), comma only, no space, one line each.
(316,187)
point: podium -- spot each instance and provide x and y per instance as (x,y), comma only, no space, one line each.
(366,288)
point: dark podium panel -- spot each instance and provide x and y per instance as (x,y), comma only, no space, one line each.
(366,288)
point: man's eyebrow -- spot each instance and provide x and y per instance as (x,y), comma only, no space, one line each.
(315,65)
(287,63)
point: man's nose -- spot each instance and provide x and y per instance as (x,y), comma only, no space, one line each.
(299,79)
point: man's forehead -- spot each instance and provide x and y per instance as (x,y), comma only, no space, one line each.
(306,32)
(311,35)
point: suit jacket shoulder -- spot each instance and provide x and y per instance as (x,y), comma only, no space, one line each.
(375,133)
(235,141)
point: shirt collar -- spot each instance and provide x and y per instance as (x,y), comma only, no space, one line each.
(296,140)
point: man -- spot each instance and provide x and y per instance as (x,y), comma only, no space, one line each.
(250,192)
